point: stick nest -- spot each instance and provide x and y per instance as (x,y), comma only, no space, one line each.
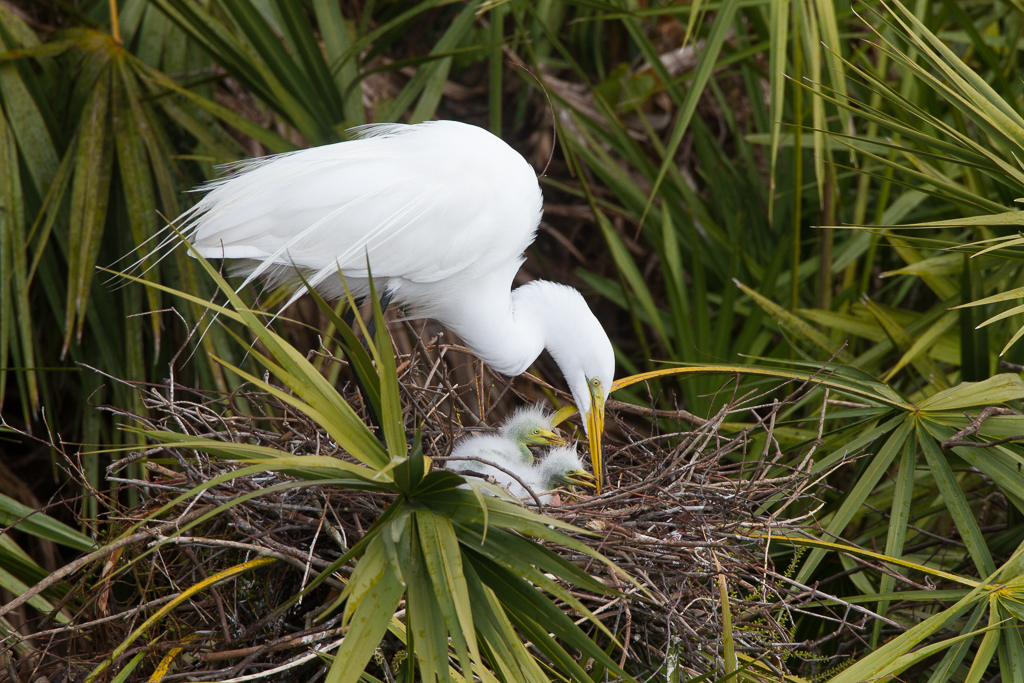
(687,509)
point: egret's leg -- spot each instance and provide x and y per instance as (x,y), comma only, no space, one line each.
(385,299)
(349,316)
(371,329)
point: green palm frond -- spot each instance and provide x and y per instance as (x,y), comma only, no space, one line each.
(471,568)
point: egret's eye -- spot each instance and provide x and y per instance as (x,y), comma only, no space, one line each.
(536,432)
(595,382)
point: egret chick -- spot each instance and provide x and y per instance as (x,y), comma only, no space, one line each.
(494,448)
(560,467)
(530,426)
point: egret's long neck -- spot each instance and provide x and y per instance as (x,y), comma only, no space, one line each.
(506,330)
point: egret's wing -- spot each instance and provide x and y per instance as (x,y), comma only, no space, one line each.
(421,202)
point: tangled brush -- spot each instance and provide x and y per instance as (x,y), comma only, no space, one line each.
(688,514)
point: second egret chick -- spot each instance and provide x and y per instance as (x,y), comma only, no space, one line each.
(530,426)
(560,467)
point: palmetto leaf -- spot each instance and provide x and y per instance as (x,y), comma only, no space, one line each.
(902,651)
(856,497)
(997,389)
(27,520)
(428,544)
(15,330)
(90,193)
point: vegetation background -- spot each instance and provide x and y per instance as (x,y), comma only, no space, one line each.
(704,165)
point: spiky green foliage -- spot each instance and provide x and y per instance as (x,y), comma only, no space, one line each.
(18,570)
(703,181)
(469,567)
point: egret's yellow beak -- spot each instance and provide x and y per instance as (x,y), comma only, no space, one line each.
(595,429)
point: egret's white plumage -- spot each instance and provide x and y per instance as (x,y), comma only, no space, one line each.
(494,448)
(443,212)
(530,426)
(437,187)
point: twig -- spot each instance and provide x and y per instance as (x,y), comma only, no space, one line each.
(975,425)
(295,640)
(495,466)
(75,565)
(981,444)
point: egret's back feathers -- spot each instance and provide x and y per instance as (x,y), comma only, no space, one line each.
(333,206)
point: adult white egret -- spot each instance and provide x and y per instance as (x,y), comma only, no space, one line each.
(530,426)
(443,212)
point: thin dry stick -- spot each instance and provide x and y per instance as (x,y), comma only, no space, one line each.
(498,467)
(75,565)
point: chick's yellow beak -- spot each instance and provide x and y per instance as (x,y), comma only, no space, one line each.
(595,429)
(580,478)
(547,437)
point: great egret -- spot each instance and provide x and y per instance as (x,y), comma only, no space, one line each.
(530,426)
(443,212)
